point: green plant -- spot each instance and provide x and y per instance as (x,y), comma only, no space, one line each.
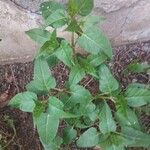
(89,118)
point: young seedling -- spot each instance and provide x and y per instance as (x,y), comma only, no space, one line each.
(89,119)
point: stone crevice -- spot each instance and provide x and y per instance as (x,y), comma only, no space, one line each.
(127,17)
(123,24)
(127,24)
(25,8)
(121,8)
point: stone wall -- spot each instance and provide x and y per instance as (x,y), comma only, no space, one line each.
(14,44)
(127,21)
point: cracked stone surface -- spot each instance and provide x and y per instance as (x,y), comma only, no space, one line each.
(105,5)
(127,21)
(129,24)
(14,44)
(31,5)
(113,5)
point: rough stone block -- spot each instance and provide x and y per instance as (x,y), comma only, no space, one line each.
(127,21)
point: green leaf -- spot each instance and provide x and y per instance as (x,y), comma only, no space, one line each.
(124,115)
(68,135)
(114,147)
(81,7)
(77,122)
(52,60)
(48,8)
(136,138)
(96,60)
(90,21)
(85,7)
(145,109)
(89,138)
(87,121)
(137,95)
(60,39)
(76,74)
(42,80)
(121,105)
(107,82)
(65,53)
(94,41)
(81,125)
(130,119)
(88,68)
(47,126)
(138,67)
(78,101)
(74,27)
(49,46)
(112,141)
(64,98)
(80,95)
(39,35)
(38,110)
(24,101)
(55,107)
(54,145)
(57,19)
(107,123)
(91,112)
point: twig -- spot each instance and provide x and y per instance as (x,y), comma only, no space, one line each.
(14,79)
(62,90)
(11,140)
(59,90)
(88,82)
(104,98)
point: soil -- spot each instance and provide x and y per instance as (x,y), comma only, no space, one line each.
(16,127)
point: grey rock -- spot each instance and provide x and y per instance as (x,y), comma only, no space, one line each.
(127,21)
(32,5)
(14,44)
(129,25)
(113,5)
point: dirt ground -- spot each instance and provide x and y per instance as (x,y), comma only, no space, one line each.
(16,127)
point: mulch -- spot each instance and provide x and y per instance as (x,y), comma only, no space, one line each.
(14,77)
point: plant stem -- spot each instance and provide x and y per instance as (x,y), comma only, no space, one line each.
(104,98)
(73,43)
(11,140)
(61,90)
